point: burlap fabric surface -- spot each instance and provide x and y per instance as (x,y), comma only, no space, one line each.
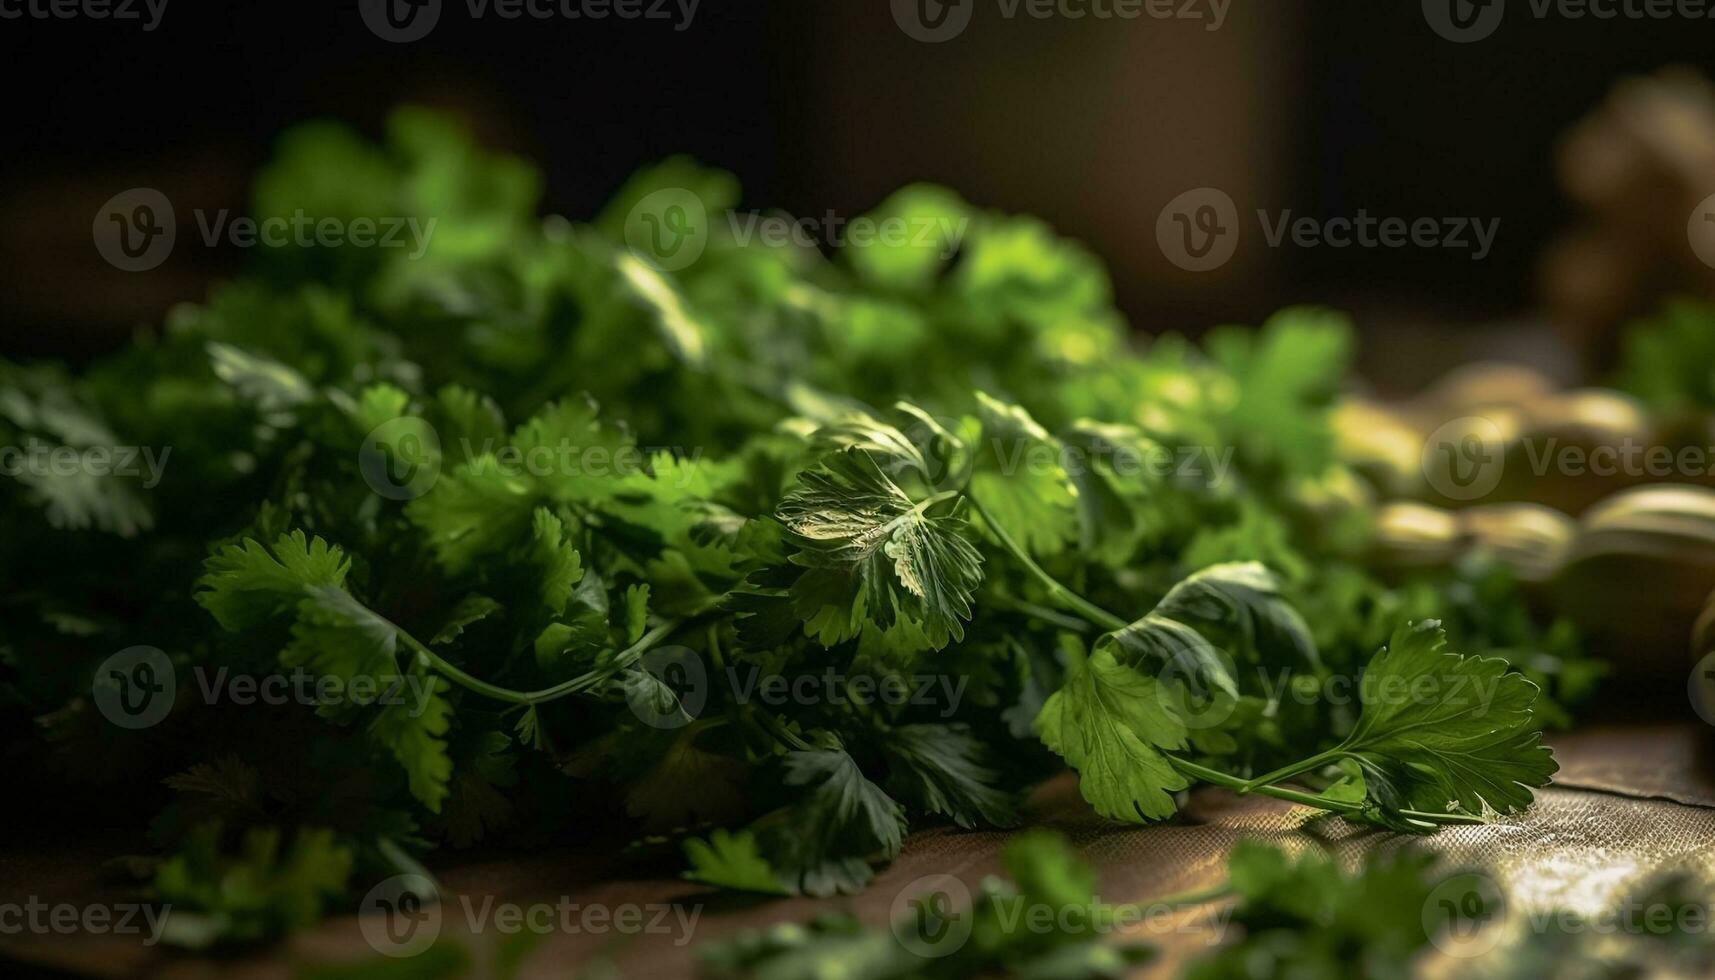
(1628,802)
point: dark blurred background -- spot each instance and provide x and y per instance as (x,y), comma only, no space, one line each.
(1322,107)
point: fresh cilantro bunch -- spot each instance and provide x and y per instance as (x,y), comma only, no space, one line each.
(540,524)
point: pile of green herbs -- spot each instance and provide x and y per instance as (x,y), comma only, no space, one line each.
(937,459)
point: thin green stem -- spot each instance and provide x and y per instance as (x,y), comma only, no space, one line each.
(1047,615)
(1071,600)
(1286,772)
(1218,778)
(1439,818)
(582,682)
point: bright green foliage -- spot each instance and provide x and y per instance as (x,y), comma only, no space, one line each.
(264,889)
(1305,917)
(1439,729)
(541,531)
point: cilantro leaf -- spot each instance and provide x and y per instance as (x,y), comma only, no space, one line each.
(1110,723)
(732,860)
(941,769)
(1440,728)
(873,553)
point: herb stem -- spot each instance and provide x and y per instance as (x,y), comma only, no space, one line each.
(1071,600)
(1286,772)
(1218,778)
(582,682)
